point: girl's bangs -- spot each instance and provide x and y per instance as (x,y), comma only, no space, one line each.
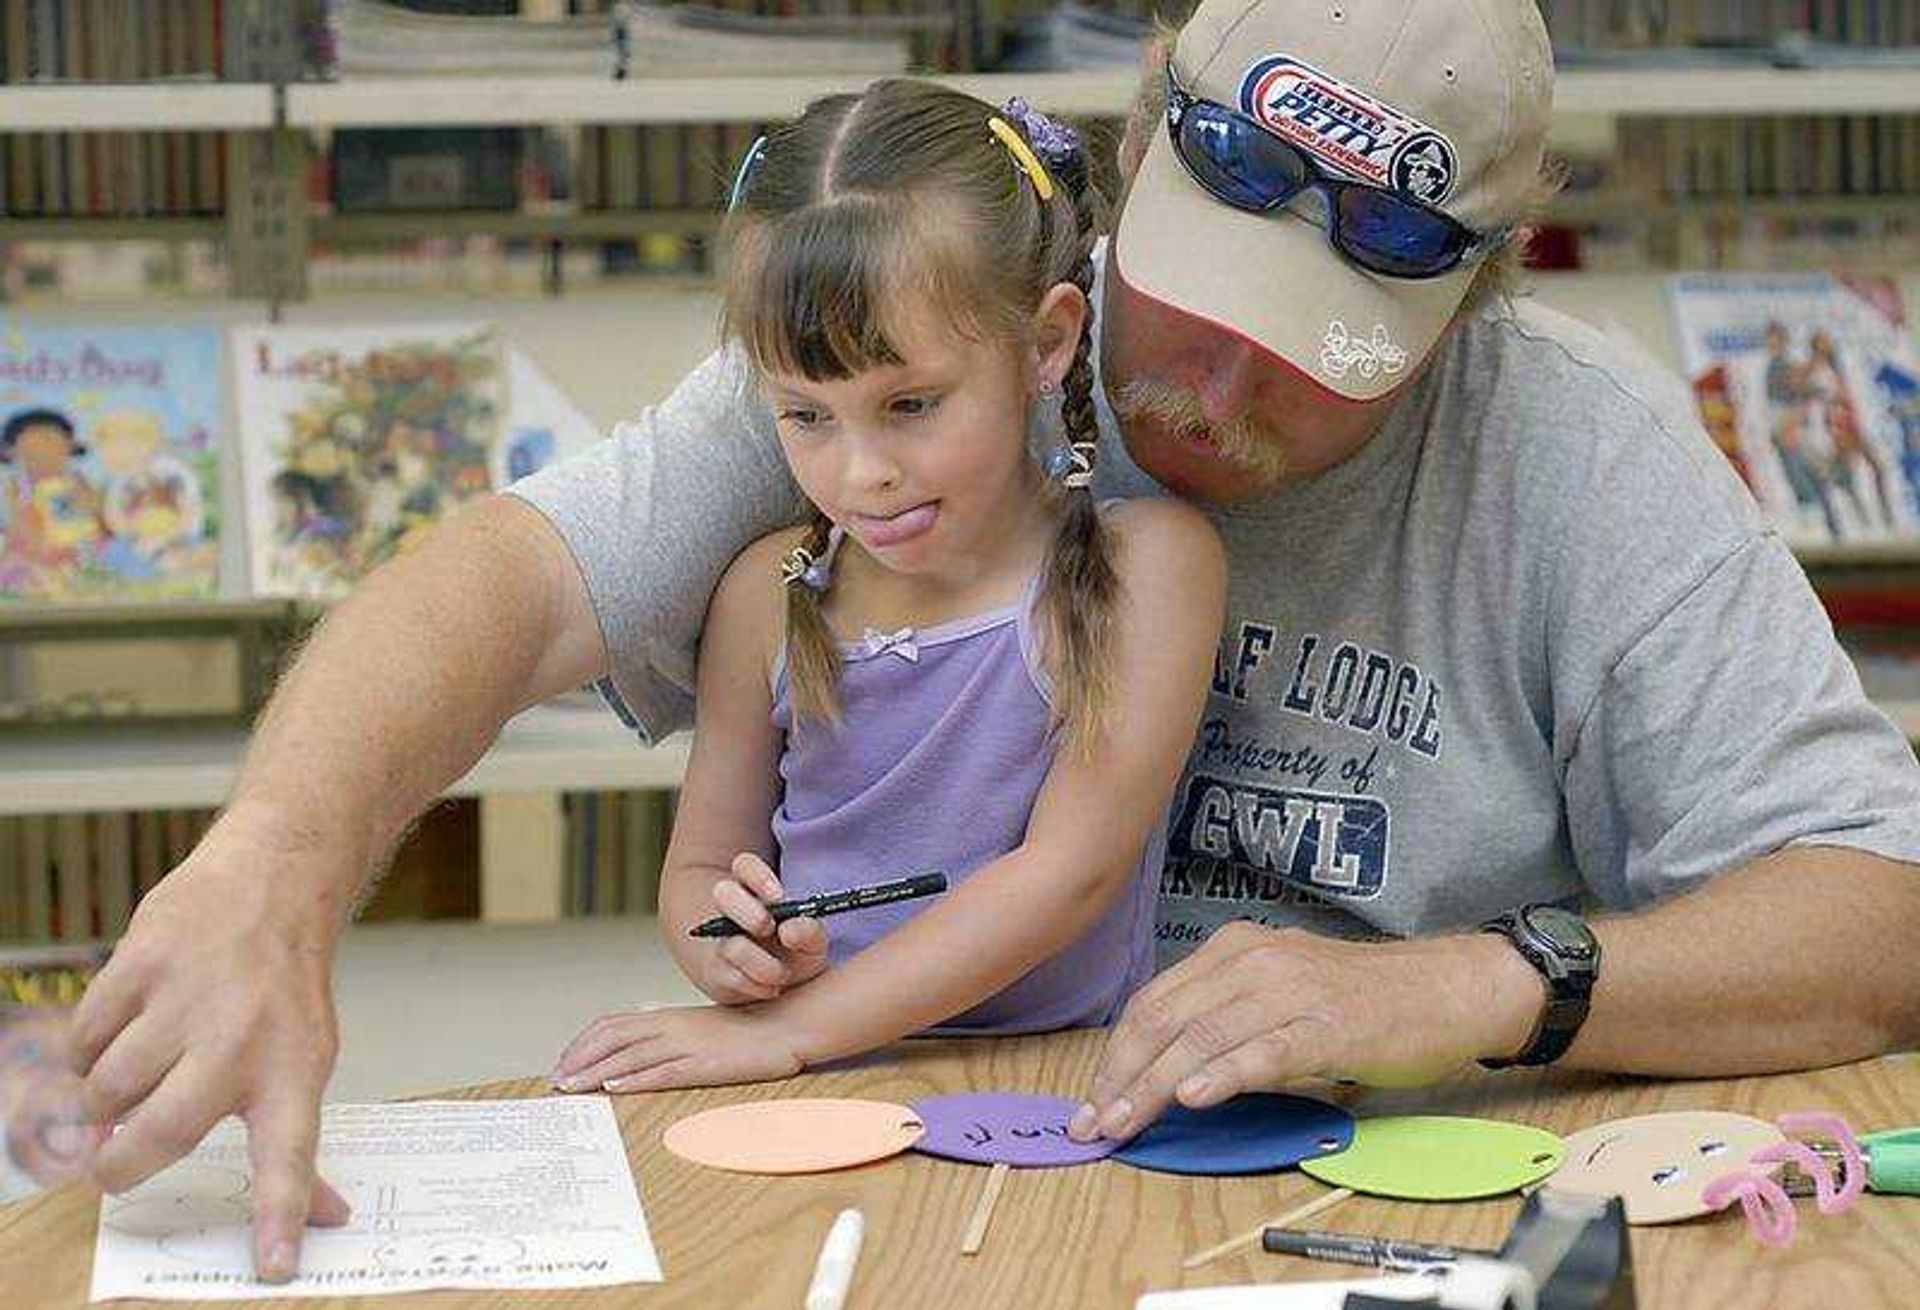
(816,291)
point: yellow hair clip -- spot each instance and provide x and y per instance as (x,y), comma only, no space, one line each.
(1023,155)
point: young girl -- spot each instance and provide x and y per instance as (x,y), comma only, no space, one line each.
(961,664)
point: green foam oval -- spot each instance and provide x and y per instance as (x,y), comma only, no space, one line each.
(1428,1157)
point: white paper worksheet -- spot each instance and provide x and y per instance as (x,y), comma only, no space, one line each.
(495,1194)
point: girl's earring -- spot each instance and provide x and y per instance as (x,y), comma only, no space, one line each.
(1048,388)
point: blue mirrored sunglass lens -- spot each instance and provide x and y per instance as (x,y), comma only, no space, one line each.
(1238,162)
(1389,236)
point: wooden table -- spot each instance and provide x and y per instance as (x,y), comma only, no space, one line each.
(1095,1238)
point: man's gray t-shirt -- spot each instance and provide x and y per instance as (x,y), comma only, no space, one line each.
(1531,643)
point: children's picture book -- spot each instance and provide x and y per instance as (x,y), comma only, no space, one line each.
(355,440)
(110,441)
(47,975)
(1807,381)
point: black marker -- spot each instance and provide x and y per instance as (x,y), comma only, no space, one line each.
(1352,1249)
(814,907)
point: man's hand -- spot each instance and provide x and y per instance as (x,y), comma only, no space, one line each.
(770,958)
(219,1001)
(687,1046)
(1257,1008)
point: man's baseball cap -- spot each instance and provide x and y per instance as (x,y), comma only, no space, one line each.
(1446,100)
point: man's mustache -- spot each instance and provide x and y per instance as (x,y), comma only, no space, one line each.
(1244,441)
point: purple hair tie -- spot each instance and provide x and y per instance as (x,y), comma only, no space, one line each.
(1056,143)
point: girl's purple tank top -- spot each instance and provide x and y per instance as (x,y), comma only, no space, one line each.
(941,749)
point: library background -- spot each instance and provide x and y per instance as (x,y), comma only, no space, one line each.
(284,281)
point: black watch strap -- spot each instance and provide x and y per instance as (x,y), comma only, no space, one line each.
(1559,1025)
(1560,946)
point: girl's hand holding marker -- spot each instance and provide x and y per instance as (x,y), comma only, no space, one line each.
(766,958)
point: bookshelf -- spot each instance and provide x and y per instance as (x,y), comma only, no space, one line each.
(613,351)
(269,230)
(522,866)
(582,747)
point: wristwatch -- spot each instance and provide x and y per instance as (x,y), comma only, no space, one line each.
(1559,944)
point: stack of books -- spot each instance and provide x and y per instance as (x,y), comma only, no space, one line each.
(376,39)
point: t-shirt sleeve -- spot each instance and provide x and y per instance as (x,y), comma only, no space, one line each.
(653,515)
(1730,726)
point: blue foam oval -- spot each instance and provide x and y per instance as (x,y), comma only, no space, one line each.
(1252,1134)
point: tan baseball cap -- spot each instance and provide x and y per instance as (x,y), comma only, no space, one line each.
(1446,100)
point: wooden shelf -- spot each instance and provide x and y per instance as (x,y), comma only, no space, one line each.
(494,101)
(1621,205)
(1862,554)
(482,101)
(112,229)
(137,107)
(548,748)
(375,102)
(590,225)
(619,224)
(1739,92)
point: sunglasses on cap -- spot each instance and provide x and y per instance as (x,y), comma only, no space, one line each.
(1241,162)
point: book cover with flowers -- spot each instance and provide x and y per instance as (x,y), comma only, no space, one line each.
(356,440)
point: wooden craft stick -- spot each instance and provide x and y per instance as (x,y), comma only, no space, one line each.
(1318,1205)
(983,1210)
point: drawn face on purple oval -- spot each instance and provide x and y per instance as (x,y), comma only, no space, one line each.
(1659,1164)
(1020,1129)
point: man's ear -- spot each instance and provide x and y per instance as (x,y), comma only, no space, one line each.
(1057,325)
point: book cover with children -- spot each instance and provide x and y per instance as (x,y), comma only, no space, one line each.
(110,440)
(1806,382)
(356,440)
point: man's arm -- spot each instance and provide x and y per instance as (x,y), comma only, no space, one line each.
(1791,962)
(218,1000)
(409,680)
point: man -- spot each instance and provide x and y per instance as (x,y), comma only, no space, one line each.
(1503,632)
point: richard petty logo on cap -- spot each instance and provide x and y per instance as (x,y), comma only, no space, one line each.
(1348,130)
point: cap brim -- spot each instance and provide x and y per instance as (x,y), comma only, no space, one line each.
(1274,279)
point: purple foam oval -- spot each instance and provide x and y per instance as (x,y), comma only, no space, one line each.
(1021,1129)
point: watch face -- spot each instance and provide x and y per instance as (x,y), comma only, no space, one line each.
(1566,933)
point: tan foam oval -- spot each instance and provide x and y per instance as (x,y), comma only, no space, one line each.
(798,1136)
(1659,1164)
